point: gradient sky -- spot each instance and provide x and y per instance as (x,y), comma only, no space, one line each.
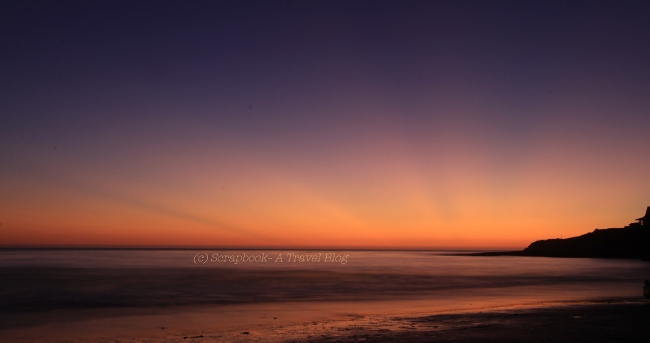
(321,123)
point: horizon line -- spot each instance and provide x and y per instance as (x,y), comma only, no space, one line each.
(306,248)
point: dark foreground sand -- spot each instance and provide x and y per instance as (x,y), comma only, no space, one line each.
(604,321)
(628,322)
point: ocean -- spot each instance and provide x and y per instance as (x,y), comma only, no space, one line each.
(43,280)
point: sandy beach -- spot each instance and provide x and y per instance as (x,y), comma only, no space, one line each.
(599,321)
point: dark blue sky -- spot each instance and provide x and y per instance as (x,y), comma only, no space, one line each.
(254,53)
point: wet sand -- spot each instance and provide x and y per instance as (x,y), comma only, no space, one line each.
(566,323)
(600,321)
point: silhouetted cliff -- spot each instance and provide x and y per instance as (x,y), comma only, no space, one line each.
(629,242)
(632,241)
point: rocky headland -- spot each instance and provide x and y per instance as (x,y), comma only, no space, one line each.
(632,241)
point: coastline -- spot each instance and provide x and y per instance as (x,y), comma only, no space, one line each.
(577,321)
(380,297)
(630,242)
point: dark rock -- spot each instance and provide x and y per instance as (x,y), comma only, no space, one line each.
(629,242)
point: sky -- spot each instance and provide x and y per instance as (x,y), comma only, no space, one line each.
(311,124)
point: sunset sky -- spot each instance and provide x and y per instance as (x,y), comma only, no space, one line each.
(413,124)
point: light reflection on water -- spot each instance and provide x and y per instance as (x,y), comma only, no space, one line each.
(45,279)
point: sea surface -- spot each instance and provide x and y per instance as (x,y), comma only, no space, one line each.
(43,280)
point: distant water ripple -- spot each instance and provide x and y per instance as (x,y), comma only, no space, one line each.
(42,280)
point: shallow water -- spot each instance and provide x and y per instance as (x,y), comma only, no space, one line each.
(37,280)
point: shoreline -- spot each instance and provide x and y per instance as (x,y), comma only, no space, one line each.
(579,320)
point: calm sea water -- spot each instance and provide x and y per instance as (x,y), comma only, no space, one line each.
(38,280)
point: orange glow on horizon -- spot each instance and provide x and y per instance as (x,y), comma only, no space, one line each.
(378,192)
